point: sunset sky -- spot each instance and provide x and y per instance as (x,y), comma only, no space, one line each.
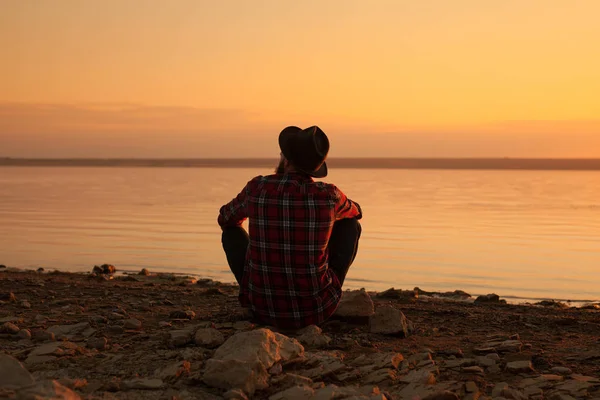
(194,78)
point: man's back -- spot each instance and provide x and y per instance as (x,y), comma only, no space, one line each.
(287,280)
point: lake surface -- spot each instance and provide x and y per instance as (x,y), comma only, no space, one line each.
(520,234)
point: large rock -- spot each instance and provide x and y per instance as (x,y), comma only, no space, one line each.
(50,390)
(355,304)
(389,320)
(13,374)
(262,344)
(243,360)
(231,374)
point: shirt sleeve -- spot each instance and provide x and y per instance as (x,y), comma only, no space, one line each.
(235,212)
(344,207)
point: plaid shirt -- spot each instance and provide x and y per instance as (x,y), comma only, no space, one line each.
(287,282)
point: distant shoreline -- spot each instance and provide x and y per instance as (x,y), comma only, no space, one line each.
(353,163)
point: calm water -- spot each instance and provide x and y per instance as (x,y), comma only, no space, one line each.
(526,234)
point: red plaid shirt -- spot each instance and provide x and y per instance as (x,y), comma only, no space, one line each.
(287,281)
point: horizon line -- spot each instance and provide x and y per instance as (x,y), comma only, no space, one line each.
(464,163)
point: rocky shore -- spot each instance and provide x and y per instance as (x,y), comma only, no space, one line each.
(159,336)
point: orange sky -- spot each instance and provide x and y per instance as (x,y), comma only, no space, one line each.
(193,78)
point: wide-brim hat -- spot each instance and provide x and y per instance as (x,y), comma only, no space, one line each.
(306,149)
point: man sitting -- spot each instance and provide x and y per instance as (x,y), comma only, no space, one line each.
(303,236)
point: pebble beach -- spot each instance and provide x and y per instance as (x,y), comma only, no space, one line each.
(162,336)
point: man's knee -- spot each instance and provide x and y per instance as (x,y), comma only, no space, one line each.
(349,226)
(234,236)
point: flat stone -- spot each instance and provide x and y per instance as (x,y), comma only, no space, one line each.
(552,378)
(209,338)
(34,360)
(561,371)
(336,392)
(52,348)
(425,377)
(575,388)
(534,392)
(13,374)
(510,393)
(415,390)
(460,363)
(378,376)
(47,390)
(484,350)
(442,395)
(378,360)
(475,369)
(68,331)
(510,346)
(295,393)
(132,324)
(517,367)
(355,303)
(322,364)
(286,381)
(388,320)
(43,336)
(143,384)
(116,329)
(485,361)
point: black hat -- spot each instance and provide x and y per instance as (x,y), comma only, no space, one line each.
(306,149)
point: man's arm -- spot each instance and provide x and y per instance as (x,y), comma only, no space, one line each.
(235,212)
(345,208)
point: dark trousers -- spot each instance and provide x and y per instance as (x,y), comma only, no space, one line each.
(343,246)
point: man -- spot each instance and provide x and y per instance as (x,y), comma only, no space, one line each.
(303,236)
